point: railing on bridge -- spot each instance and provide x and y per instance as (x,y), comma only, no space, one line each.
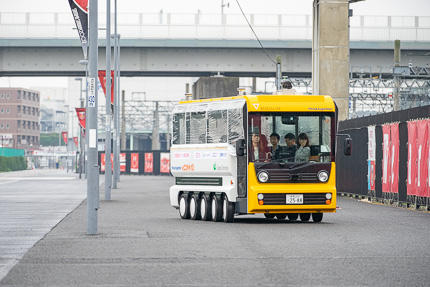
(215,26)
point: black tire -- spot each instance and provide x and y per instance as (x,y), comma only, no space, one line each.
(281,216)
(269,215)
(195,207)
(293,216)
(184,206)
(205,207)
(227,210)
(317,217)
(305,217)
(216,207)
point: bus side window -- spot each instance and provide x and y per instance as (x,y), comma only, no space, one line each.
(217,126)
(178,133)
(197,128)
(235,125)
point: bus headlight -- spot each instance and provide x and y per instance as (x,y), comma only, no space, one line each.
(260,196)
(328,195)
(323,176)
(263,176)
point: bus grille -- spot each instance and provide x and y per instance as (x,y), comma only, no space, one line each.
(213,181)
(308,199)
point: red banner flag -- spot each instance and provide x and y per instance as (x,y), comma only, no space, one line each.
(149,162)
(394,158)
(80,15)
(75,140)
(412,156)
(81,116)
(102,79)
(164,162)
(422,153)
(386,171)
(134,165)
(122,162)
(64,135)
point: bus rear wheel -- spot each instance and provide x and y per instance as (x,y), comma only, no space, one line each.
(184,206)
(317,217)
(293,216)
(205,207)
(195,207)
(227,210)
(216,207)
(305,217)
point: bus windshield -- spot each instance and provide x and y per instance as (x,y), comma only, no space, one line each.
(291,137)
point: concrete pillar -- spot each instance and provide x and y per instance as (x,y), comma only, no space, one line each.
(330,52)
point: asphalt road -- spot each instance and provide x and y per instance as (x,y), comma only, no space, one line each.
(142,242)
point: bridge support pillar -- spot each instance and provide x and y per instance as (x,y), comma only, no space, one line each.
(330,52)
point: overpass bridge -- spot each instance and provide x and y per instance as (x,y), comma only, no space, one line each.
(166,44)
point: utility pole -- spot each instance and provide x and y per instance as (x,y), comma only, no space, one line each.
(155,130)
(278,73)
(123,135)
(115,103)
(396,94)
(108,165)
(93,169)
(118,88)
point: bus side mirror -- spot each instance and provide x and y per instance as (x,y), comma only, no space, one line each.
(240,147)
(347,146)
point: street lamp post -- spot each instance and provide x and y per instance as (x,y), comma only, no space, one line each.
(93,169)
(108,166)
(115,104)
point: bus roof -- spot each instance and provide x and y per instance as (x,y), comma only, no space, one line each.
(280,103)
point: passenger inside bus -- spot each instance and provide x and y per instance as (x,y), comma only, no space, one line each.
(275,149)
(304,151)
(291,148)
(259,151)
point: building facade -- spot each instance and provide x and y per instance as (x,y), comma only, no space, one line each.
(19,118)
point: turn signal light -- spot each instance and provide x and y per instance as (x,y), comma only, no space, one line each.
(328,201)
(260,202)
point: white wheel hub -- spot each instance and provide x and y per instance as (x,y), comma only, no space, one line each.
(182,206)
(214,207)
(203,208)
(193,206)
(224,208)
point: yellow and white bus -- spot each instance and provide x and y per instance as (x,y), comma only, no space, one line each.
(267,154)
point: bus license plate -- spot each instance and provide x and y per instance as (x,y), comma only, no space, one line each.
(294,198)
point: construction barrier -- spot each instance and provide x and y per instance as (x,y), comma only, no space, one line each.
(390,159)
(140,162)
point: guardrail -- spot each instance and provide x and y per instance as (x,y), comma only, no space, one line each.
(214,26)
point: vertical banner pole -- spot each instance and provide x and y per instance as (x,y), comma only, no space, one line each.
(108,169)
(93,177)
(115,102)
(118,68)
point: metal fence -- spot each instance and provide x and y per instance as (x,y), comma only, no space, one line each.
(214,26)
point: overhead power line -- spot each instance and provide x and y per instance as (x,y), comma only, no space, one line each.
(255,34)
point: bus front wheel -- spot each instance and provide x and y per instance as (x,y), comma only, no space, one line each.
(195,207)
(227,210)
(216,208)
(305,217)
(205,207)
(184,206)
(317,217)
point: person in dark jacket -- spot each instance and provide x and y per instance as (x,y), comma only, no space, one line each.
(291,148)
(275,149)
